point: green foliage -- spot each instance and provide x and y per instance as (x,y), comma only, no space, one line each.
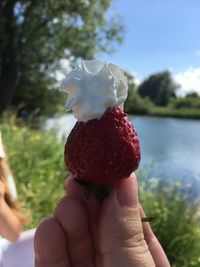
(134,103)
(190,101)
(189,113)
(176,222)
(36,159)
(39,102)
(159,87)
(192,94)
(36,35)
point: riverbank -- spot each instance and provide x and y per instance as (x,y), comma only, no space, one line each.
(186,113)
(182,107)
(165,112)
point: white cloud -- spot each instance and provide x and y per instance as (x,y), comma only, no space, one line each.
(189,81)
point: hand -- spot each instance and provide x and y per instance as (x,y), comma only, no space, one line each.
(2,190)
(94,233)
(2,152)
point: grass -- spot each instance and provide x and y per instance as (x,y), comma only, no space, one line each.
(189,113)
(36,158)
(176,223)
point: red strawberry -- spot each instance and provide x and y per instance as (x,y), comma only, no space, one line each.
(102,151)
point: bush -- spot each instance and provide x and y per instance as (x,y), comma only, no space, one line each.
(189,113)
(186,102)
(176,223)
(36,159)
(137,105)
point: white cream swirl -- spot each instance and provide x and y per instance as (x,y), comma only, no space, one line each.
(93,87)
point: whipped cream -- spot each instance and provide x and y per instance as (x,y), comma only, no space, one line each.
(92,87)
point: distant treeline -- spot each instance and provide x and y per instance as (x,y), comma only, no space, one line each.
(156,95)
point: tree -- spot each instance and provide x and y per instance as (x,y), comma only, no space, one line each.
(135,104)
(36,35)
(131,90)
(159,87)
(192,95)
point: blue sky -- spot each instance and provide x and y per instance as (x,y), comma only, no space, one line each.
(160,35)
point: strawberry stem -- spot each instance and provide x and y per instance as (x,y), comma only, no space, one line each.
(89,191)
(100,192)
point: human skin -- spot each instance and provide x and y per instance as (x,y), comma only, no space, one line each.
(94,233)
(10,225)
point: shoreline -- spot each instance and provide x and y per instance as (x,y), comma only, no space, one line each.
(172,113)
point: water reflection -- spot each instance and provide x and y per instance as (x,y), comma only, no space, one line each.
(170,147)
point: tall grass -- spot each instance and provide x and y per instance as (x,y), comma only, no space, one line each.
(36,158)
(176,222)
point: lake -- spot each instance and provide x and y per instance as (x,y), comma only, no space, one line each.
(170,147)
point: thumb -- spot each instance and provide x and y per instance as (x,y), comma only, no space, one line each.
(123,227)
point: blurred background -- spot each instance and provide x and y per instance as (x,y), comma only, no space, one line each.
(157,44)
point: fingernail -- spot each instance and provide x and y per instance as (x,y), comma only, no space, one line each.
(127,192)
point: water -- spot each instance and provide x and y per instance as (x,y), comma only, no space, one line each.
(170,147)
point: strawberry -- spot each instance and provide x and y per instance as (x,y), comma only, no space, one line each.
(102,151)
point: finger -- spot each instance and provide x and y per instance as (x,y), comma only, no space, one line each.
(73,219)
(92,207)
(155,248)
(50,245)
(72,188)
(121,227)
(121,211)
